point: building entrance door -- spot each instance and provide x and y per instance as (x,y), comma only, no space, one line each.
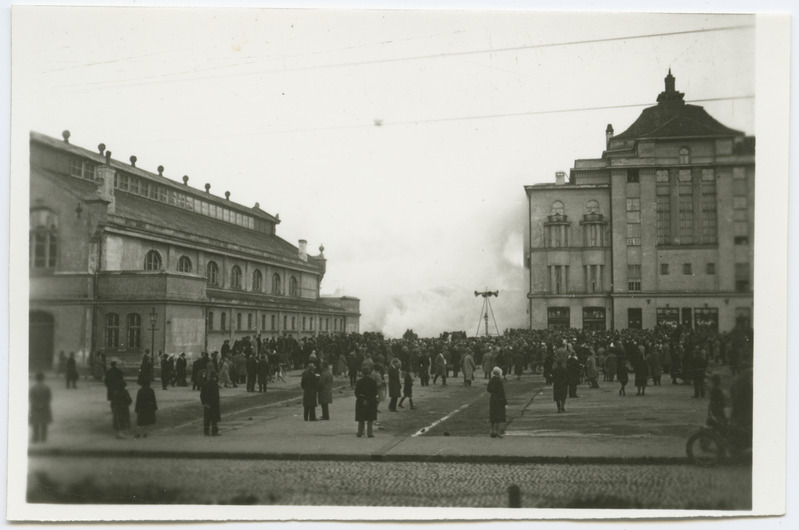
(686,320)
(41,329)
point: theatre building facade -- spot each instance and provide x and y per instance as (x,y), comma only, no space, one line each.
(123,260)
(659,230)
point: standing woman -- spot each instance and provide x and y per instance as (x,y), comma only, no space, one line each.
(560,385)
(622,372)
(145,369)
(145,408)
(497,402)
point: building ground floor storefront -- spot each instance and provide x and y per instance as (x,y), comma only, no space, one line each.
(717,311)
(124,329)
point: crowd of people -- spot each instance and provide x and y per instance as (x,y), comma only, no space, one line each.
(566,359)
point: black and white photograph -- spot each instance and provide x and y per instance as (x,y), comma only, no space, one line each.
(397,264)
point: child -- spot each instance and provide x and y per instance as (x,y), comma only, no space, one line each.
(120,403)
(145,408)
(407,389)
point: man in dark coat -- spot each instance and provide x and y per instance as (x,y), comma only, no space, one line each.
(113,380)
(180,369)
(365,402)
(309,383)
(573,371)
(394,384)
(39,414)
(263,372)
(252,371)
(72,371)
(325,391)
(209,397)
(165,371)
(145,408)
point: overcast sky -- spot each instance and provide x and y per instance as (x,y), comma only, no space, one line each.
(399,140)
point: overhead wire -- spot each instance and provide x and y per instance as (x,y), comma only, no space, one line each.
(124,82)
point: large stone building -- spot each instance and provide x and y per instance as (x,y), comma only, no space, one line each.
(122,259)
(658,230)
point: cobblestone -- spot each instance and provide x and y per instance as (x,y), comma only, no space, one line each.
(406,484)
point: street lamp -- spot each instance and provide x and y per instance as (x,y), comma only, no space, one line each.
(153,318)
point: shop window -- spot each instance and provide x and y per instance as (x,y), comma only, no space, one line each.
(668,316)
(706,318)
(594,318)
(558,318)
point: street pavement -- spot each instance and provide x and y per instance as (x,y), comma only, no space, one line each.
(449,425)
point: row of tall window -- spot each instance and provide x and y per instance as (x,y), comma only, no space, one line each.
(153,262)
(132,329)
(145,188)
(557,226)
(308,323)
(686,206)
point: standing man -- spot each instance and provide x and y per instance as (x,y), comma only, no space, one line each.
(180,368)
(365,402)
(72,371)
(209,397)
(573,371)
(252,371)
(325,391)
(113,380)
(310,386)
(165,375)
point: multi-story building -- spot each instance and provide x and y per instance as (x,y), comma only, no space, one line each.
(124,260)
(658,230)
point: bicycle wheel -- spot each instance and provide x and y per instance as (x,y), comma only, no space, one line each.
(705,449)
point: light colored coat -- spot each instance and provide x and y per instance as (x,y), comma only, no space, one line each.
(468,367)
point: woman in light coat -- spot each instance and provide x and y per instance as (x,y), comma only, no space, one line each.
(468,368)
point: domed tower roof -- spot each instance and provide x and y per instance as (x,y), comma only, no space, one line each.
(673,118)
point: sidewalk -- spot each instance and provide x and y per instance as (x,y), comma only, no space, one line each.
(600,428)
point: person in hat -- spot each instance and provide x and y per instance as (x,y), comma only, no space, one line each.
(113,380)
(145,408)
(560,385)
(310,386)
(497,402)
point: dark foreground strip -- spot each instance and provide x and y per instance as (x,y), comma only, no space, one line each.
(372,457)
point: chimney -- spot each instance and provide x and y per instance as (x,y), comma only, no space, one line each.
(303,250)
(105,176)
(608,136)
(560,178)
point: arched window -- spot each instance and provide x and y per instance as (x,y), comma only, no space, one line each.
(43,239)
(112,331)
(294,289)
(212,273)
(152,261)
(223,321)
(134,330)
(557,208)
(184,264)
(235,277)
(276,287)
(257,280)
(592,206)
(210,320)
(685,155)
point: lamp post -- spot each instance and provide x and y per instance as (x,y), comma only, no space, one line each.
(153,318)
